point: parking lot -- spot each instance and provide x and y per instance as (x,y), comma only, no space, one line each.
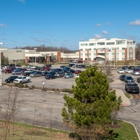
(57,83)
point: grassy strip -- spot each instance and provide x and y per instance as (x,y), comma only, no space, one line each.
(126,131)
(127,95)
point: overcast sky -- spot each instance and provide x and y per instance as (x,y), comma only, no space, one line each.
(66,22)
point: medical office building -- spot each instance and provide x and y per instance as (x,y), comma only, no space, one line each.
(104,49)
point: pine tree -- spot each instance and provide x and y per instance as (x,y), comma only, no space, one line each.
(92,104)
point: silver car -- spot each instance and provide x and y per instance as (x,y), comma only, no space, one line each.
(36,74)
(69,75)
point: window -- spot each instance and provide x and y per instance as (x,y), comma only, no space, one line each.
(118,42)
(122,58)
(84,44)
(101,43)
(110,43)
(92,44)
(94,53)
(122,53)
(112,58)
(123,48)
(112,53)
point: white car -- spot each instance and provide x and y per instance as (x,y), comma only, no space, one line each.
(121,71)
(128,71)
(22,79)
(77,76)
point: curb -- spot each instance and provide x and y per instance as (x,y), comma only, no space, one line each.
(134,128)
(51,91)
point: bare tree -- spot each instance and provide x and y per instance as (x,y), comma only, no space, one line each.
(9,107)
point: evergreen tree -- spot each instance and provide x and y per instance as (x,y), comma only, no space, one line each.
(92,103)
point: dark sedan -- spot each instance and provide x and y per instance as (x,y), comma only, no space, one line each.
(138,79)
(122,77)
(49,76)
(10,79)
(131,88)
(128,79)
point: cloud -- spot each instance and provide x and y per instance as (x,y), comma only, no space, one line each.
(135,23)
(23,1)
(3,25)
(98,24)
(97,36)
(105,32)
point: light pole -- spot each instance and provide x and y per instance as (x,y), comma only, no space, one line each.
(35,55)
(0,66)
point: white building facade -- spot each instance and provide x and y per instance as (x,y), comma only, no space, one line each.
(113,49)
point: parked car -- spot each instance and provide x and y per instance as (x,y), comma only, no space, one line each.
(138,79)
(18,65)
(22,79)
(122,77)
(66,69)
(48,65)
(8,70)
(131,67)
(72,71)
(71,64)
(62,66)
(49,76)
(59,74)
(128,79)
(47,69)
(120,71)
(132,87)
(17,71)
(36,74)
(136,73)
(77,71)
(44,73)
(10,79)
(128,71)
(27,73)
(69,75)
(124,67)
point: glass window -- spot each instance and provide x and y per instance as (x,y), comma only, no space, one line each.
(123,48)
(84,44)
(110,43)
(122,53)
(118,42)
(101,43)
(92,44)
(112,53)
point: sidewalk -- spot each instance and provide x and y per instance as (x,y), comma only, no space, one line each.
(125,100)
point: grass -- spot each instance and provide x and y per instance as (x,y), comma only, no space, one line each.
(125,131)
(127,95)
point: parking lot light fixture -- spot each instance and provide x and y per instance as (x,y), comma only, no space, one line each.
(35,55)
(0,66)
(43,83)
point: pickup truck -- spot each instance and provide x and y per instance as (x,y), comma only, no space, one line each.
(22,79)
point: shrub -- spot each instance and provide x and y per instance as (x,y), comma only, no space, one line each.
(26,86)
(20,85)
(33,86)
(16,84)
(67,90)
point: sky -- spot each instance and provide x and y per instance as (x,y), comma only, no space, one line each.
(63,23)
